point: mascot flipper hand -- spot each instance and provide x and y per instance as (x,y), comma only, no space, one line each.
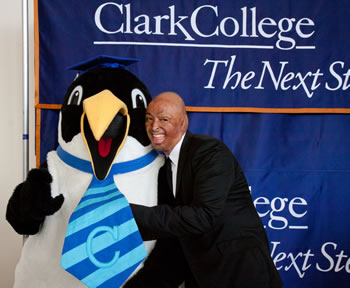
(104,160)
(31,202)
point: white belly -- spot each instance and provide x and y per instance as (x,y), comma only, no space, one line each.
(39,265)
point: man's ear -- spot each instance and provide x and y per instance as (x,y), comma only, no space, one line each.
(184,124)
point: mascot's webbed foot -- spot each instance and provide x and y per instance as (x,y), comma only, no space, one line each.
(31,202)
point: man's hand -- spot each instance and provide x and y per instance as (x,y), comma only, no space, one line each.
(31,202)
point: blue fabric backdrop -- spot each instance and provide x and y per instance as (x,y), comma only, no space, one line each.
(252,54)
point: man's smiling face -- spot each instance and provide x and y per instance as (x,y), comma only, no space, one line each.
(166,121)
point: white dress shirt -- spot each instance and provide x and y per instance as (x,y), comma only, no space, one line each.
(174,157)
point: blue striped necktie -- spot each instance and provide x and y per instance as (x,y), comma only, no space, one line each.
(103,245)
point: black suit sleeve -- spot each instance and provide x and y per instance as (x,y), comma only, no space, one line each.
(213,172)
(163,268)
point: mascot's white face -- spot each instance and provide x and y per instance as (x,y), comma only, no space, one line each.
(104,105)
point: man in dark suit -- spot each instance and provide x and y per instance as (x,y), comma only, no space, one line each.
(209,232)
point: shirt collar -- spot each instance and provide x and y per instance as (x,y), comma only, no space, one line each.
(175,153)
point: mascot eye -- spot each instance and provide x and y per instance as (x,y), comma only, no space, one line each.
(138,99)
(75,96)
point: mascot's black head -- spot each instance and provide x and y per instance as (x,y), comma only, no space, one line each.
(105,104)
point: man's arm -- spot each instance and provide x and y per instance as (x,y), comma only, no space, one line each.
(164,267)
(213,173)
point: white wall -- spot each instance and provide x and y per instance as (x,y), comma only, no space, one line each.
(11,123)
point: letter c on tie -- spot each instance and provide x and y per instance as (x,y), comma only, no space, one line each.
(89,249)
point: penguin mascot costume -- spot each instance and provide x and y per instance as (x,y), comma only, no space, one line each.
(104,160)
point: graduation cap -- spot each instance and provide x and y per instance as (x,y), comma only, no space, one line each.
(102,61)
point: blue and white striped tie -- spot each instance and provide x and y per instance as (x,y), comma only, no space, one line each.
(103,245)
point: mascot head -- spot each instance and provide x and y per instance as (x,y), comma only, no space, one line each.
(103,105)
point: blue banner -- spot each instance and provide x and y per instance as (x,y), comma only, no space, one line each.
(290,54)
(263,58)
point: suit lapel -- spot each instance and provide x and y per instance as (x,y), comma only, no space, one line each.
(183,155)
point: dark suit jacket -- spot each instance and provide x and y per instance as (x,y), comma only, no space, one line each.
(213,219)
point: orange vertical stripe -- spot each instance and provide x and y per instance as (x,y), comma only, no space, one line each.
(36,51)
(37,136)
(36,78)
